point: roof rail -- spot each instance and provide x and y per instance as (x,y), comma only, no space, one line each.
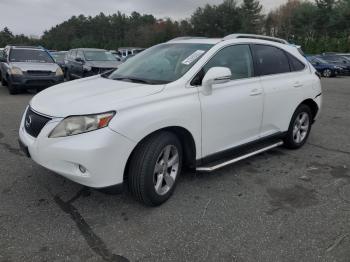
(261,37)
(187,38)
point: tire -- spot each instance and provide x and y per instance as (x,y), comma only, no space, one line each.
(146,179)
(299,128)
(3,82)
(327,73)
(67,76)
(13,90)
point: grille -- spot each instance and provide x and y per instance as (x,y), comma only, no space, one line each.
(39,73)
(39,82)
(34,123)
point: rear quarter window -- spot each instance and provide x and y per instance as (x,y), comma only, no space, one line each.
(270,60)
(295,63)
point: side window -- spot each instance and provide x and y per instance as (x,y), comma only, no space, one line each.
(270,60)
(295,64)
(237,58)
(80,54)
(73,54)
(129,52)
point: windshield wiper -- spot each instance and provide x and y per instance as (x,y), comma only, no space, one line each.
(134,80)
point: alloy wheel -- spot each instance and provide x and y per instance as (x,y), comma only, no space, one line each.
(301,127)
(166,169)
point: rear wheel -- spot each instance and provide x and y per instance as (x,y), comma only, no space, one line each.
(154,168)
(299,128)
(327,73)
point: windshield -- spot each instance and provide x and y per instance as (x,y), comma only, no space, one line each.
(30,55)
(320,60)
(99,56)
(58,56)
(161,64)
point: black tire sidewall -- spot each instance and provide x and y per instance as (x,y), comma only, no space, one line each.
(289,140)
(150,150)
(13,90)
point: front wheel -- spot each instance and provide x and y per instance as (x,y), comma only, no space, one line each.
(154,168)
(13,90)
(299,128)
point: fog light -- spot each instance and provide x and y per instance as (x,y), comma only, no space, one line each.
(82,169)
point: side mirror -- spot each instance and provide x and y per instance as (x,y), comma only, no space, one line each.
(78,59)
(215,75)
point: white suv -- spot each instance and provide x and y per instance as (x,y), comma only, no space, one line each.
(195,102)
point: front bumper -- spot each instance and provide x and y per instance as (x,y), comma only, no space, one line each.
(103,153)
(36,80)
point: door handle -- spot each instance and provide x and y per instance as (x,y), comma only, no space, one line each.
(255,92)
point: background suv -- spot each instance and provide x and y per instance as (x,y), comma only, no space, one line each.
(83,62)
(201,103)
(23,67)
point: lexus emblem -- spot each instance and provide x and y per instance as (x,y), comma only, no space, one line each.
(28,121)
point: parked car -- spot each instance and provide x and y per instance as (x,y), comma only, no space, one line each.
(325,68)
(83,62)
(59,57)
(200,103)
(116,54)
(127,51)
(339,61)
(26,67)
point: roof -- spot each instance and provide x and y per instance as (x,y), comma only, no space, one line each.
(205,40)
(25,47)
(89,49)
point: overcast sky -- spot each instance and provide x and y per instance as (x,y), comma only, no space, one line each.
(32,17)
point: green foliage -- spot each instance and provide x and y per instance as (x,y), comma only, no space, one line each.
(318,26)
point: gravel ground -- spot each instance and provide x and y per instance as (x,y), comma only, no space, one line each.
(279,206)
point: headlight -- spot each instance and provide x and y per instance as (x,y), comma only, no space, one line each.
(74,125)
(59,72)
(15,71)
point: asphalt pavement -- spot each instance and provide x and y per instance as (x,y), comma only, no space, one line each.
(278,206)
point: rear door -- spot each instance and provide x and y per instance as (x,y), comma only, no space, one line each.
(232,114)
(282,80)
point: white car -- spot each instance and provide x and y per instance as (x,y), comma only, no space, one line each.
(195,102)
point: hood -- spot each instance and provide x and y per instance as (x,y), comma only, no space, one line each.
(25,66)
(103,64)
(89,96)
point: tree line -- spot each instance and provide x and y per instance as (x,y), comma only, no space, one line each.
(318,26)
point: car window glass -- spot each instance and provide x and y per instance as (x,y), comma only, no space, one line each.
(237,58)
(73,54)
(80,54)
(271,60)
(295,64)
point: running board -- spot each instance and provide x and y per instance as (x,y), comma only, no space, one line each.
(237,159)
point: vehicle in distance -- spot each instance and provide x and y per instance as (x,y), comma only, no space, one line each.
(129,51)
(199,103)
(337,60)
(84,62)
(325,68)
(59,57)
(26,67)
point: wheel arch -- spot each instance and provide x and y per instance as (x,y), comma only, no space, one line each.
(312,105)
(187,142)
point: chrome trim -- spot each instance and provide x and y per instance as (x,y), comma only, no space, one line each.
(213,168)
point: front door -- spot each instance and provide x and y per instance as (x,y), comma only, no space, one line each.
(232,114)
